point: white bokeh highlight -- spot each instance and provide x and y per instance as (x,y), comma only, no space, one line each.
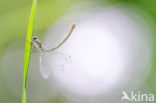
(110,51)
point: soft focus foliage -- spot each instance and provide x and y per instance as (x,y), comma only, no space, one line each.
(14,17)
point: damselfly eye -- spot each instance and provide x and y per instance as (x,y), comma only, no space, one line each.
(34,38)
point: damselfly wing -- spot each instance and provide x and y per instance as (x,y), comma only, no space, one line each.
(50,61)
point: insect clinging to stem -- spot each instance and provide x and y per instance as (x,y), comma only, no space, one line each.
(47,60)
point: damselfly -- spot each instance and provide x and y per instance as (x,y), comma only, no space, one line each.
(50,57)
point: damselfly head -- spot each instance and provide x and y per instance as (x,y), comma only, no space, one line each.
(34,38)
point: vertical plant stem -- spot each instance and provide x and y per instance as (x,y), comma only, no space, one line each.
(28,47)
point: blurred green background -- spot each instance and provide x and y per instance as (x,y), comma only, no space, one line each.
(14,17)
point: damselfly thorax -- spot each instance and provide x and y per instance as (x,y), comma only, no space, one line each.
(37,44)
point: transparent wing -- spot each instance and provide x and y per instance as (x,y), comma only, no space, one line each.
(50,61)
(60,59)
(45,67)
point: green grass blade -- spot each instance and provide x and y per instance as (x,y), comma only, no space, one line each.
(28,47)
(24,96)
